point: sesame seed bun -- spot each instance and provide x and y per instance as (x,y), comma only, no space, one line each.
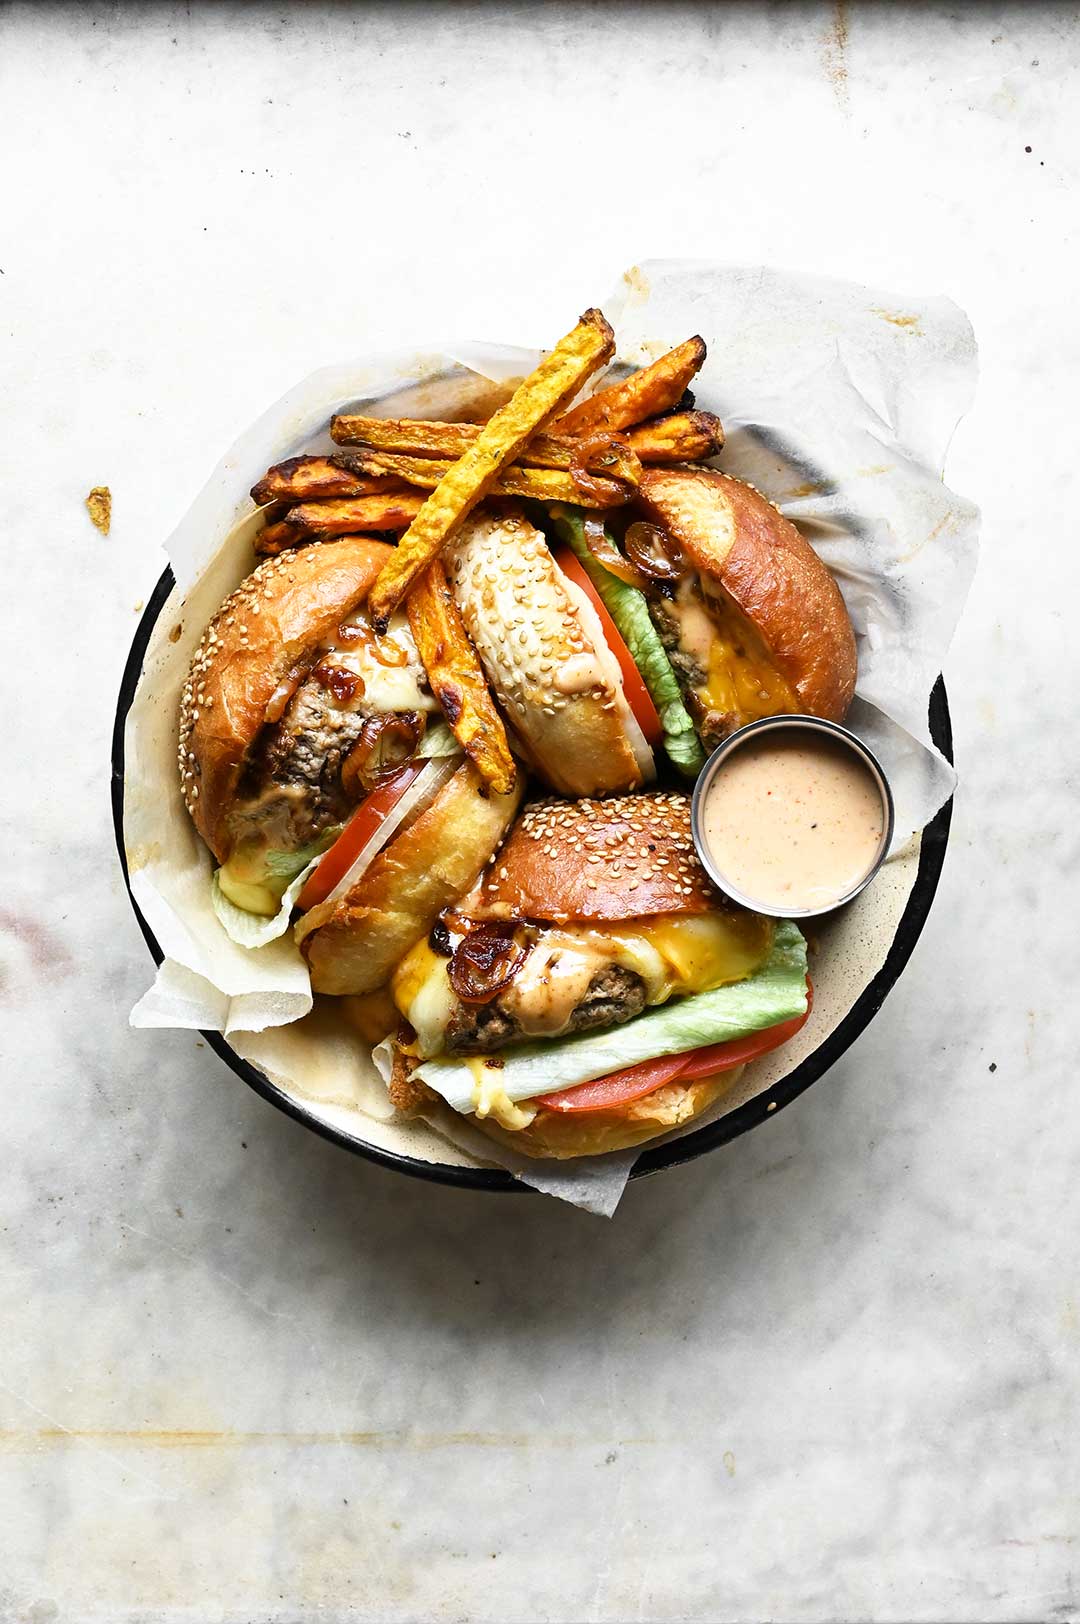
(354,942)
(553,675)
(623,858)
(739,541)
(278,614)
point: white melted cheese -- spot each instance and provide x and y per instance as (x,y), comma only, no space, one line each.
(673,955)
(386,688)
(490,1099)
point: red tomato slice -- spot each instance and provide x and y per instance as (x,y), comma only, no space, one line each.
(622,1087)
(373,809)
(618,1088)
(637,695)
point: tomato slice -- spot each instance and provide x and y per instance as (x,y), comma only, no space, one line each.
(622,1087)
(338,860)
(617,1088)
(637,695)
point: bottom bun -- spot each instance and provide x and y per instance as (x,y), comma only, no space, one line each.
(559,1135)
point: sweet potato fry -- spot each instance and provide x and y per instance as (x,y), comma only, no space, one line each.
(303,479)
(457,678)
(602,454)
(655,389)
(280,537)
(388,510)
(467,481)
(683,437)
(544,484)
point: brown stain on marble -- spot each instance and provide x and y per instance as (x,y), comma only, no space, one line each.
(44,950)
(797,492)
(18,1441)
(834,53)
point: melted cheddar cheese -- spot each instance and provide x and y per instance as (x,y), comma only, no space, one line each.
(675,955)
(742,682)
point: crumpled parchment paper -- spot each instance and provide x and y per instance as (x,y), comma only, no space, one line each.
(839,403)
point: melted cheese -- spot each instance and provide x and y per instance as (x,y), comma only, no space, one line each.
(742,681)
(490,1100)
(385,688)
(675,955)
(252,897)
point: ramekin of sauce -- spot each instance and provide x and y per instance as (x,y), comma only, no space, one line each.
(792,816)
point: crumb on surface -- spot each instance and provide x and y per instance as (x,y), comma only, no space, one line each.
(99,507)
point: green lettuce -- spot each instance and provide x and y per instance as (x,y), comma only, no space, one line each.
(438,741)
(630,612)
(774,993)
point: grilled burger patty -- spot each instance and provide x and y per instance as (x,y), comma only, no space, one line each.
(613,995)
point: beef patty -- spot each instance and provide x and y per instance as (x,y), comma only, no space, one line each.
(613,995)
(293,788)
(713,726)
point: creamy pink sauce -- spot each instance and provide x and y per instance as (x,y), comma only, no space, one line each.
(793,820)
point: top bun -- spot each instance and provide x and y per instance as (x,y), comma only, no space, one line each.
(555,678)
(623,858)
(732,535)
(277,614)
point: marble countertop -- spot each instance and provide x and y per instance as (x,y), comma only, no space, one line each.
(830,1372)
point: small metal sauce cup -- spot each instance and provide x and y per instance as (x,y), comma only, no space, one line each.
(796,725)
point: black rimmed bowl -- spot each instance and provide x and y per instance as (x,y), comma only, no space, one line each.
(745,1116)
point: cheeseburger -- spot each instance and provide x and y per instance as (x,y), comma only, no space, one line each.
(593,990)
(316,767)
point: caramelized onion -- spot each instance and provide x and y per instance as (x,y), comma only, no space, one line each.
(486,961)
(606,553)
(653,552)
(384,650)
(385,742)
(342,683)
(603,451)
(387,652)
(285,689)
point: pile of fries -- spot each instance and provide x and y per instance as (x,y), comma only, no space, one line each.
(419,481)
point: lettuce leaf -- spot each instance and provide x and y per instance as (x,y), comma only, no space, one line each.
(776,992)
(630,612)
(255,930)
(438,741)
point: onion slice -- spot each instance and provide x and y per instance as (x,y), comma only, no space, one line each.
(607,554)
(416,799)
(653,552)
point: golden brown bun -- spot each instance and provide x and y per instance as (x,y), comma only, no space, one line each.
(352,944)
(730,533)
(560,1134)
(562,704)
(282,609)
(622,858)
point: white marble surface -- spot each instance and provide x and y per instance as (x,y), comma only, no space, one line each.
(828,1373)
